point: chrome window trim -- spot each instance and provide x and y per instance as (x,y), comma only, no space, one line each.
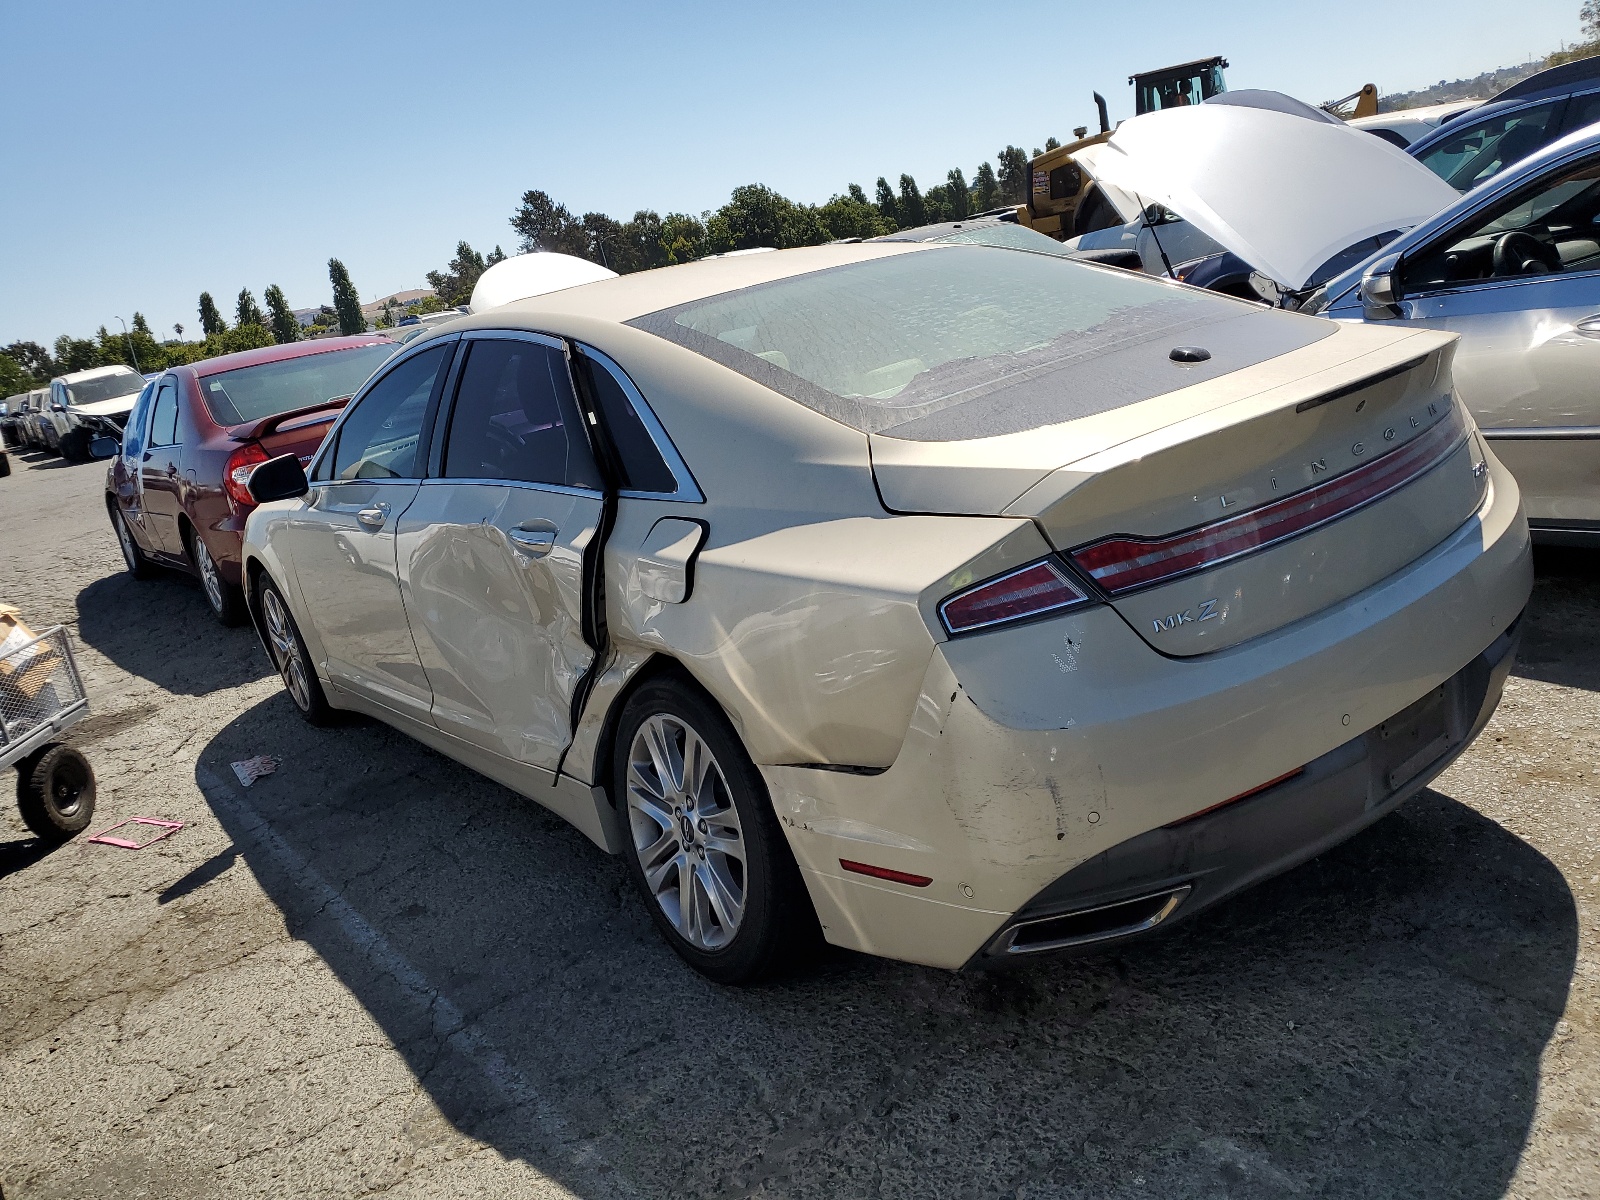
(330,439)
(558,488)
(514,335)
(688,490)
(1543,433)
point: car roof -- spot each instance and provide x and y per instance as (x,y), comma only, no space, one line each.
(628,296)
(1553,81)
(932,233)
(270,354)
(94,373)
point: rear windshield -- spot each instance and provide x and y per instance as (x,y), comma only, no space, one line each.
(881,343)
(250,393)
(107,387)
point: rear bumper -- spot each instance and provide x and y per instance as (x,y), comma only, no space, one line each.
(1167,875)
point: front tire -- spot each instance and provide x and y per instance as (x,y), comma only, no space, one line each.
(75,446)
(226,599)
(289,655)
(702,841)
(56,791)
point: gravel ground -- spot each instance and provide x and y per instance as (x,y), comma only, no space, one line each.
(375,972)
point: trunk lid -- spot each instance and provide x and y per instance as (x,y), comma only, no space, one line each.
(1236,506)
(299,431)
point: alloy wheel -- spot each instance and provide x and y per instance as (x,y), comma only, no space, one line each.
(686,831)
(209,579)
(130,553)
(286,649)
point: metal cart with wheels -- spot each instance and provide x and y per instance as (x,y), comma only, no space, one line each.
(41,697)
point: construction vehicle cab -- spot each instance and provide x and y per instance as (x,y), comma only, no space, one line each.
(1174,87)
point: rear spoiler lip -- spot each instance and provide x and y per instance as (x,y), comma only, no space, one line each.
(285,422)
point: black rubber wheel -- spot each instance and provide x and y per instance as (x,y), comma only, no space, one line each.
(288,651)
(682,831)
(139,566)
(55,791)
(226,600)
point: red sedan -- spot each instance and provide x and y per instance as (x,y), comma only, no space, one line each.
(176,490)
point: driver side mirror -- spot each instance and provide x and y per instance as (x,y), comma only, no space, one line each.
(105,447)
(281,478)
(1379,290)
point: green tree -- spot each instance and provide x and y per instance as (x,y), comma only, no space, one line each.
(247,311)
(542,224)
(755,215)
(13,378)
(76,354)
(683,238)
(346,300)
(1589,20)
(33,358)
(960,198)
(280,318)
(912,211)
(1013,175)
(454,284)
(853,216)
(210,319)
(496,255)
(607,244)
(1050,143)
(888,207)
(985,188)
(178,329)
(140,325)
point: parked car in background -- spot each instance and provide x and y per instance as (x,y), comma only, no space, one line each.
(1514,268)
(175,488)
(35,425)
(85,405)
(1407,125)
(969,603)
(10,422)
(1523,119)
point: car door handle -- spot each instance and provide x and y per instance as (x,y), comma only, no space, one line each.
(374,517)
(1589,326)
(535,543)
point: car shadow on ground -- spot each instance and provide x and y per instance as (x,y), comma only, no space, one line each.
(1370,1024)
(161,629)
(1563,620)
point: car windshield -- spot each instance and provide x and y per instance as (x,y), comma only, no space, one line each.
(250,393)
(880,343)
(106,387)
(1012,237)
(1480,149)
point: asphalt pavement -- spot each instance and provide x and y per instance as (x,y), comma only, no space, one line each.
(374,972)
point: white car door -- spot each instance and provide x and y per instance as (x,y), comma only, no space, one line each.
(342,544)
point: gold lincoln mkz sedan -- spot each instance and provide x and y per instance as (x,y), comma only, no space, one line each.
(956,603)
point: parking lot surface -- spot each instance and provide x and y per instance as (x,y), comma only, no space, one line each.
(374,972)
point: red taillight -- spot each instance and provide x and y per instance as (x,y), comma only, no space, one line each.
(236,474)
(1030,591)
(888,873)
(1123,564)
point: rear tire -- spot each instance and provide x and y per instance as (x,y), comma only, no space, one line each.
(697,818)
(288,651)
(56,792)
(226,599)
(138,565)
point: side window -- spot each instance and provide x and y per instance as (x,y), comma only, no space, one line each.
(133,431)
(1583,110)
(643,468)
(379,438)
(515,418)
(164,419)
(1483,148)
(1550,227)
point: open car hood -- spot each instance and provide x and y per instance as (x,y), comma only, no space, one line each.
(1282,192)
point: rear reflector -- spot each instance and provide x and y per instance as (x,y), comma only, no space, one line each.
(1030,591)
(1124,563)
(1255,791)
(885,873)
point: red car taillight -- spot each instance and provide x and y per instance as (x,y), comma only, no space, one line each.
(236,474)
(1029,591)
(1122,564)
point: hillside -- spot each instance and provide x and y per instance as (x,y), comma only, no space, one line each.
(1479,87)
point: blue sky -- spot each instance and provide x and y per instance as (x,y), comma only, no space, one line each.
(152,151)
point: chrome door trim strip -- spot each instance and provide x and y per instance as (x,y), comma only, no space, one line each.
(1544,433)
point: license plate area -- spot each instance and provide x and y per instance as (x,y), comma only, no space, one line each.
(1416,737)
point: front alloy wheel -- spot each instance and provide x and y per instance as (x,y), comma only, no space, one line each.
(686,831)
(289,656)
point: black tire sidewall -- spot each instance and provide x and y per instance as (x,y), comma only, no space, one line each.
(777,920)
(36,793)
(139,568)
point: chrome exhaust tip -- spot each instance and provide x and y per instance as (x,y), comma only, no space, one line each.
(1085,926)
